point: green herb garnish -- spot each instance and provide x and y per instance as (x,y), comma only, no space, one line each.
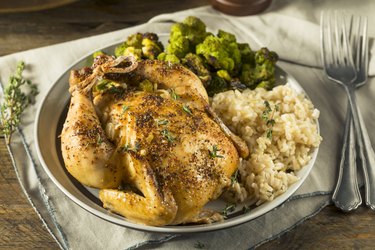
(167,134)
(103,85)
(124,108)
(15,101)
(116,90)
(277,107)
(228,209)
(187,109)
(214,153)
(269,133)
(267,116)
(245,209)
(266,112)
(174,95)
(234,177)
(162,122)
(128,148)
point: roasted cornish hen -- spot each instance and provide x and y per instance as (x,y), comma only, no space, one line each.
(157,156)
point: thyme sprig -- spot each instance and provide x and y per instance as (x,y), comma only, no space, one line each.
(228,209)
(234,177)
(16,100)
(246,209)
(187,109)
(267,116)
(214,152)
(128,148)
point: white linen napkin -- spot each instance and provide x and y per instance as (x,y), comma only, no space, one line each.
(285,28)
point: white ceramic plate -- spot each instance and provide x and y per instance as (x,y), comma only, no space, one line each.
(50,118)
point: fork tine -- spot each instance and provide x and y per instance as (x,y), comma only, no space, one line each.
(337,34)
(346,50)
(325,42)
(359,42)
(336,48)
(356,43)
(329,53)
(364,55)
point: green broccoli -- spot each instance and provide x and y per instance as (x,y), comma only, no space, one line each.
(230,38)
(185,36)
(168,58)
(263,74)
(134,40)
(178,46)
(141,46)
(264,71)
(220,53)
(216,85)
(195,23)
(247,55)
(246,76)
(224,74)
(196,30)
(146,86)
(219,61)
(151,46)
(195,64)
(97,53)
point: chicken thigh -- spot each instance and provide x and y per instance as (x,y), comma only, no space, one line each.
(157,157)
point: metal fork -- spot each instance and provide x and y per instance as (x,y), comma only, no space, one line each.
(339,67)
(359,41)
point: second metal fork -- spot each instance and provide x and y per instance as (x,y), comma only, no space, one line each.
(339,67)
(359,42)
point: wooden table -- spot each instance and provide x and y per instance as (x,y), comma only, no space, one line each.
(20,227)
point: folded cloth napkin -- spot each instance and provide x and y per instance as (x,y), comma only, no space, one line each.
(289,27)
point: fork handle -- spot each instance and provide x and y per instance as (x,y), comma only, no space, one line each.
(366,151)
(346,195)
(368,164)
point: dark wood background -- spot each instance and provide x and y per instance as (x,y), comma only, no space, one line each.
(20,227)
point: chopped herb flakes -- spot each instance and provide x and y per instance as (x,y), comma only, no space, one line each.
(167,135)
(174,95)
(234,177)
(128,148)
(116,90)
(228,209)
(124,108)
(187,109)
(214,153)
(245,209)
(162,122)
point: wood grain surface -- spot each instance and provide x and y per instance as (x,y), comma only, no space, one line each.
(20,227)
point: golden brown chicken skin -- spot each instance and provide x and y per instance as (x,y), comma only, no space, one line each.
(166,151)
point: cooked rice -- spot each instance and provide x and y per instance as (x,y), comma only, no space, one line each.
(269,170)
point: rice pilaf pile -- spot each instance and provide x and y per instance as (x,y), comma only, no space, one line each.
(279,126)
